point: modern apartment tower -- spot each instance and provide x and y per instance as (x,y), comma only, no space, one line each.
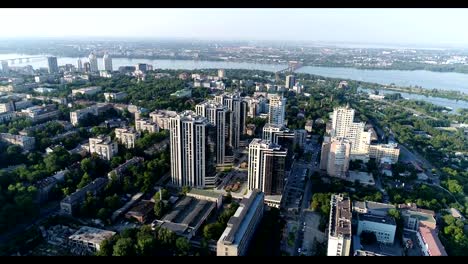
(87,67)
(336,156)
(237,116)
(193,154)
(93,63)
(343,126)
(266,171)
(216,114)
(107,61)
(80,65)
(339,233)
(5,67)
(276,112)
(52,63)
(290,81)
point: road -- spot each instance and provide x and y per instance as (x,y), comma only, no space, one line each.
(296,173)
(414,156)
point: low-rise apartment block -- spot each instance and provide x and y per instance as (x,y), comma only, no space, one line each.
(70,204)
(25,142)
(104,147)
(142,125)
(241,226)
(126,136)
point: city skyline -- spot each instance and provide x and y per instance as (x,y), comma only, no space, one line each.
(371,26)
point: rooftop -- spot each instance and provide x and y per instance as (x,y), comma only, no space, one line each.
(432,241)
(377,219)
(204,193)
(189,213)
(92,235)
(238,223)
(93,186)
(340,216)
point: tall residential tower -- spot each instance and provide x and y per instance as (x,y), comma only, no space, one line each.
(193,154)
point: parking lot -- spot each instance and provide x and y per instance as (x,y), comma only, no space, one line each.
(310,228)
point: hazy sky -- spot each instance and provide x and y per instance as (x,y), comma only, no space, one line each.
(429,26)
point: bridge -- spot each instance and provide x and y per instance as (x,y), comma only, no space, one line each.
(25,59)
(292,66)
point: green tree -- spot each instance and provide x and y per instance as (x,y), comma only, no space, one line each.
(103,214)
(105,248)
(163,192)
(159,209)
(183,246)
(84,181)
(213,231)
(124,247)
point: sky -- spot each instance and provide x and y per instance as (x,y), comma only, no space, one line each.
(392,26)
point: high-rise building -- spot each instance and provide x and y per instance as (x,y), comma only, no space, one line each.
(52,63)
(87,67)
(290,81)
(237,116)
(343,125)
(107,61)
(5,67)
(193,154)
(267,162)
(277,107)
(216,114)
(339,232)
(221,73)
(143,67)
(80,65)
(335,156)
(93,63)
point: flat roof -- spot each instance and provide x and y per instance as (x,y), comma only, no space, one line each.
(189,212)
(238,223)
(421,216)
(204,193)
(432,241)
(91,235)
(340,216)
(377,219)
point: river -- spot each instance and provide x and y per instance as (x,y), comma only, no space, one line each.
(426,79)
(454,104)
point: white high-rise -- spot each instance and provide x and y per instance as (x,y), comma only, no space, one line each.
(343,126)
(277,108)
(266,170)
(80,65)
(192,142)
(338,157)
(93,64)
(341,121)
(5,67)
(107,62)
(216,115)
